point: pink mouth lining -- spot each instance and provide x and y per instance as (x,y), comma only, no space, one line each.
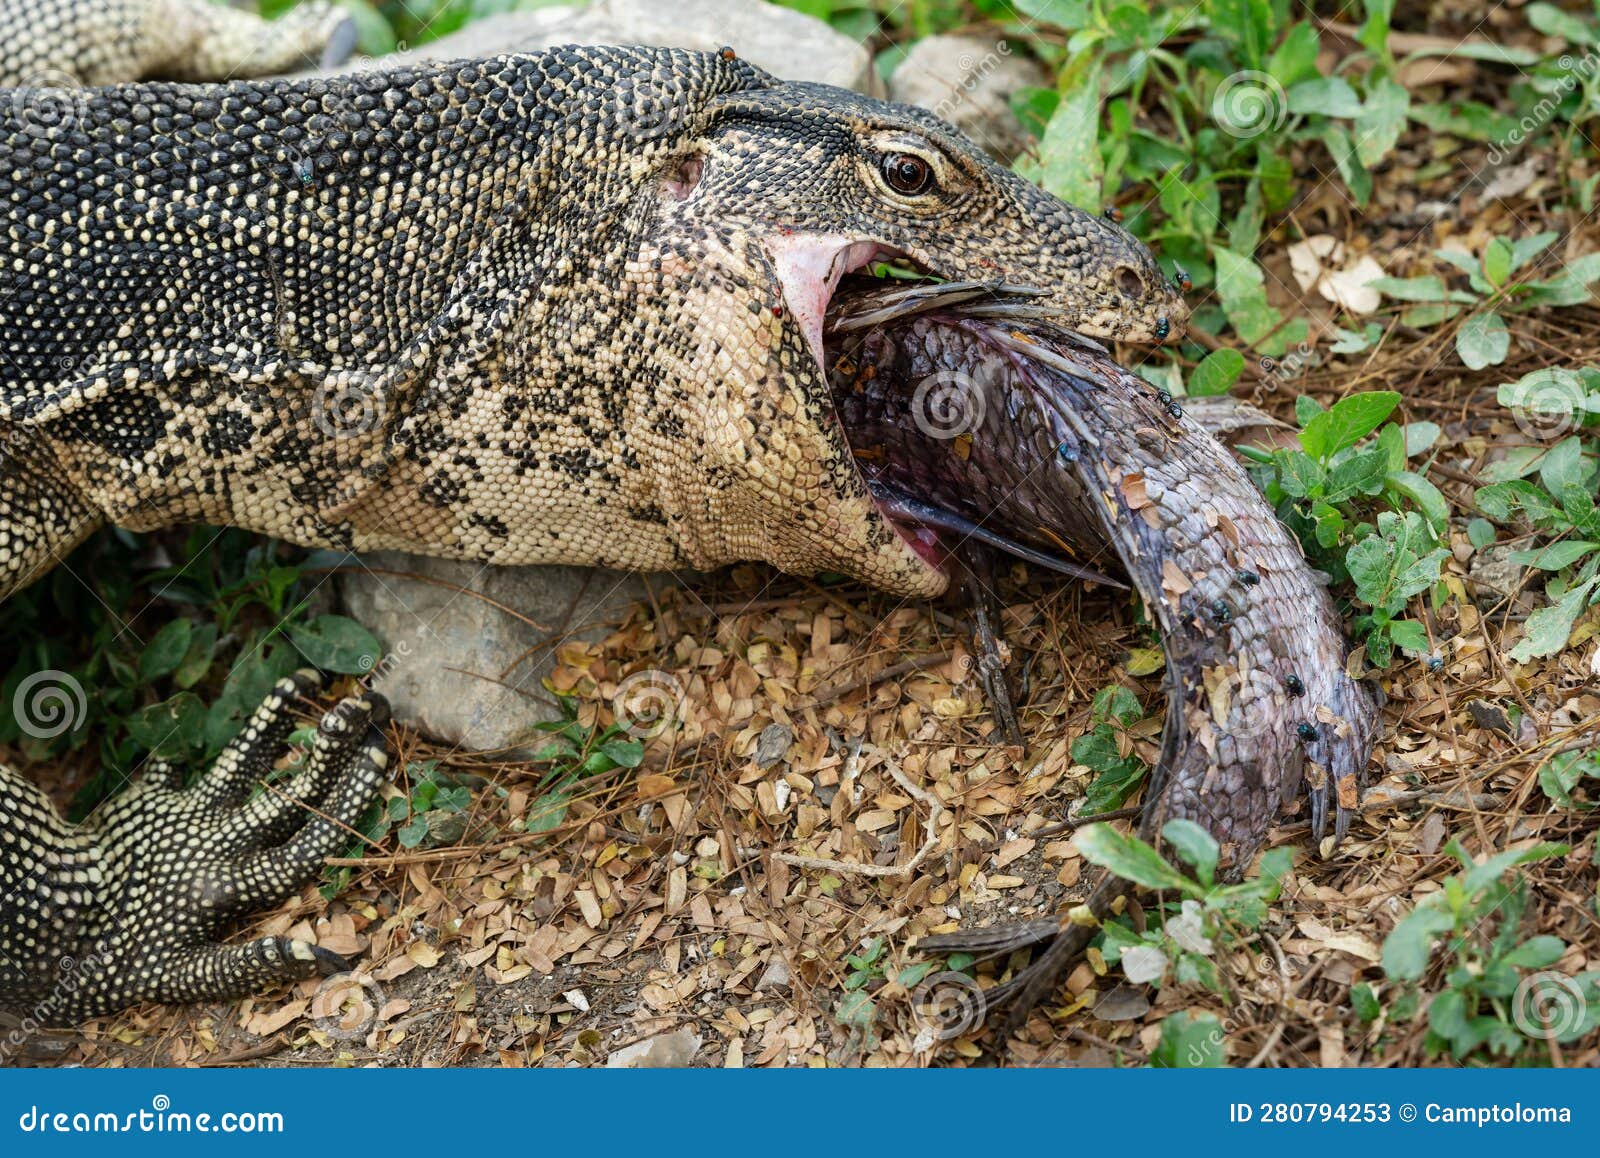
(809,267)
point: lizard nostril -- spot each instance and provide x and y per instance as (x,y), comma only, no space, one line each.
(1129,283)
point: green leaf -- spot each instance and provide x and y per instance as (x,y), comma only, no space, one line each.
(1241,288)
(1497,261)
(1216,373)
(1295,59)
(1554,556)
(624,753)
(1480,533)
(1409,634)
(336,643)
(1552,21)
(1425,495)
(166,649)
(1347,422)
(1536,953)
(171,728)
(1196,847)
(1364,1000)
(1069,152)
(1381,119)
(1345,159)
(1483,340)
(1547,629)
(1406,948)
(413,834)
(1328,96)
(1190,1041)
(1429,288)
(1133,860)
(1299,474)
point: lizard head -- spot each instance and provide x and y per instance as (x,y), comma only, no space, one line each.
(763,198)
(830,182)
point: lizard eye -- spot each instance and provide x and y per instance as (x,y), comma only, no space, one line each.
(906,173)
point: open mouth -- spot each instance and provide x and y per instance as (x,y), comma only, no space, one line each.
(809,269)
(931,520)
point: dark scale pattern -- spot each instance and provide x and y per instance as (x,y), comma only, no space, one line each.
(126,907)
(561,308)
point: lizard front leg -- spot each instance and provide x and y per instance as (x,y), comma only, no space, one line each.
(94,42)
(125,907)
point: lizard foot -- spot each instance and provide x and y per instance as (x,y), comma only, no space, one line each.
(127,910)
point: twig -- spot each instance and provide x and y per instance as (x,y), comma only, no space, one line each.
(935,811)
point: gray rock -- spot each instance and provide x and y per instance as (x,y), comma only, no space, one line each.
(457,666)
(673,1050)
(969,82)
(786,43)
(1493,578)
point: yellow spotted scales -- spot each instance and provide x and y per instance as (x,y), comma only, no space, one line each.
(558,308)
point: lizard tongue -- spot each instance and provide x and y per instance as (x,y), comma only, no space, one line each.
(808,267)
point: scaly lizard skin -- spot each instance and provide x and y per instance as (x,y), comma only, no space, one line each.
(559,308)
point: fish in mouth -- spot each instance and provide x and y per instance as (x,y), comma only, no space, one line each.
(974,419)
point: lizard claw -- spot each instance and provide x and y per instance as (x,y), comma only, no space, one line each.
(127,908)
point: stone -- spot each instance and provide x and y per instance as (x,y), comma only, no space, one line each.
(969,81)
(786,43)
(459,663)
(675,1050)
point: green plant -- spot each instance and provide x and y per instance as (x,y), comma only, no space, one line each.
(167,661)
(1484,1007)
(1561,507)
(1207,914)
(1330,491)
(575,752)
(1108,750)
(1483,338)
